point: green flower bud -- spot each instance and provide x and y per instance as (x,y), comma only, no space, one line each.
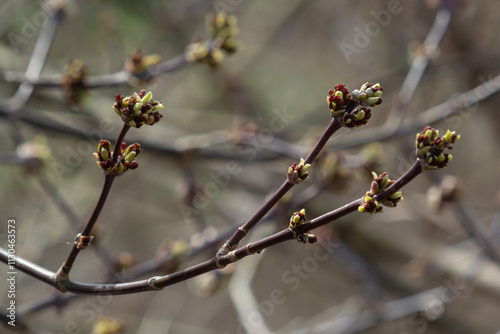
(148,97)
(298,173)
(368,95)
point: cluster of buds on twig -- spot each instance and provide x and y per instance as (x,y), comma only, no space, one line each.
(339,98)
(125,161)
(72,79)
(138,109)
(297,219)
(139,62)
(430,147)
(223,30)
(298,172)
(379,184)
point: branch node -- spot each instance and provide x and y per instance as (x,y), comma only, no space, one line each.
(61,278)
(249,251)
(231,256)
(243,230)
(223,251)
(152,283)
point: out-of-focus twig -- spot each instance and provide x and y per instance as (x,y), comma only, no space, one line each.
(418,66)
(242,296)
(473,231)
(112,79)
(37,60)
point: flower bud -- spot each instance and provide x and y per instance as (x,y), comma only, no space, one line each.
(298,173)
(369,204)
(307,238)
(338,98)
(368,95)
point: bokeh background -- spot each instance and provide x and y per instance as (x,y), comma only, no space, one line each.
(430,266)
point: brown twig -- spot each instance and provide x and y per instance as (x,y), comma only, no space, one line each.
(63,272)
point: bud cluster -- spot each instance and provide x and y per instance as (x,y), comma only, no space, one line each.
(223,30)
(430,147)
(298,173)
(138,109)
(339,98)
(125,162)
(297,219)
(379,184)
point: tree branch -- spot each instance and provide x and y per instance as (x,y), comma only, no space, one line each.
(63,272)
(159,282)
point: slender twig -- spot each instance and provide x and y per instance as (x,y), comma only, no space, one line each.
(65,208)
(418,66)
(240,233)
(474,232)
(63,272)
(35,65)
(469,224)
(29,268)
